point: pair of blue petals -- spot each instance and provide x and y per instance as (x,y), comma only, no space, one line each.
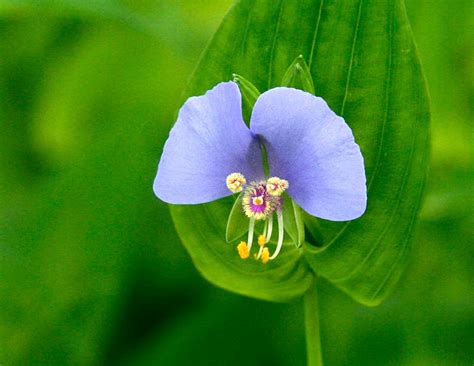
(306,143)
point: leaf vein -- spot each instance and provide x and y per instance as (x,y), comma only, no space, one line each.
(272,50)
(410,226)
(247,25)
(351,60)
(420,191)
(315,35)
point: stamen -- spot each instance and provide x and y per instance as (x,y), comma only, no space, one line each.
(250,236)
(259,254)
(280,235)
(243,250)
(235,182)
(270,229)
(267,234)
(262,239)
(276,186)
(265,255)
(260,201)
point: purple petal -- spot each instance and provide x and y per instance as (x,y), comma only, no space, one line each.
(208,142)
(314,149)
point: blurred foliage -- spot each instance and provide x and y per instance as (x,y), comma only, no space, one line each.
(91,270)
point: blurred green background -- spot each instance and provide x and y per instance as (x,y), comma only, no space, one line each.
(91,270)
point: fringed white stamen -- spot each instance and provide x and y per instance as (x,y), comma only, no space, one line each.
(280,235)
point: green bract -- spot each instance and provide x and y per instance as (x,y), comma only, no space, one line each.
(363,62)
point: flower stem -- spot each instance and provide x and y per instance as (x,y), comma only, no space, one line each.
(313,338)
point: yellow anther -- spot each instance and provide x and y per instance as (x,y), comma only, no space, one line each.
(261,240)
(265,255)
(276,186)
(235,182)
(243,250)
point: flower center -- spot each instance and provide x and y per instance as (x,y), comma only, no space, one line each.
(257,201)
(260,200)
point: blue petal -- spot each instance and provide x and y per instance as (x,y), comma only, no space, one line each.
(208,142)
(314,149)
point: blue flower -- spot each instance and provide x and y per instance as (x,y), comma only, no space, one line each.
(311,152)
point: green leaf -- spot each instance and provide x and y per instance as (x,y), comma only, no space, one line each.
(364,63)
(299,76)
(218,261)
(249,95)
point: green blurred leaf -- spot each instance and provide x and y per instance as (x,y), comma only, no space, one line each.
(79,212)
(299,76)
(152,17)
(364,64)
